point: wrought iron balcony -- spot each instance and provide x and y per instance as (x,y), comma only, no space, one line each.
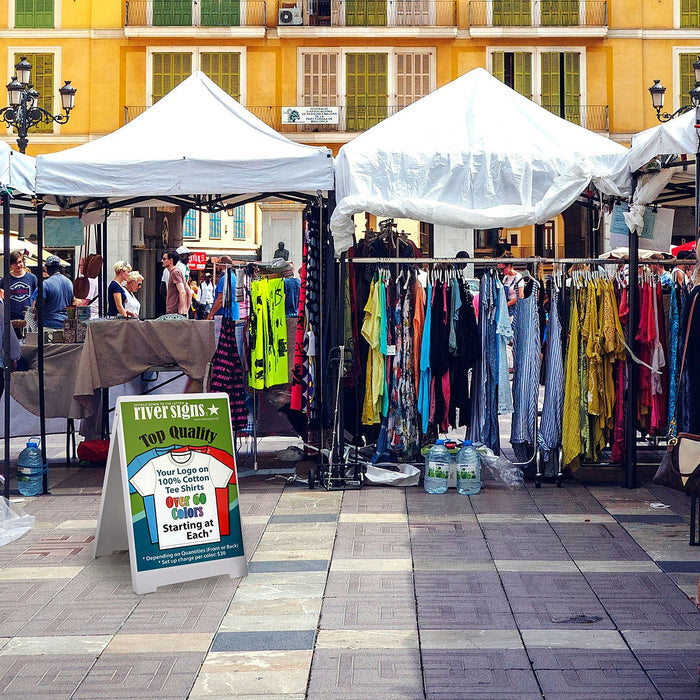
(195,13)
(357,118)
(368,13)
(538,13)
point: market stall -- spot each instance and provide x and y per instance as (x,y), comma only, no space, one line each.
(473,154)
(159,158)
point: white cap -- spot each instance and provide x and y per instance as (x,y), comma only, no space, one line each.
(182,250)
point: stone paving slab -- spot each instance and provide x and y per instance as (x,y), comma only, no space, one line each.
(633,586)
(350,584)
(678,614)
(378,612)
(359,673)
(56,676)
(561,658)
(675,674)
(543,584)
(597,683)
(455,583)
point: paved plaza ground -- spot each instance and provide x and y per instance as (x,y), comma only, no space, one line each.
(572,592)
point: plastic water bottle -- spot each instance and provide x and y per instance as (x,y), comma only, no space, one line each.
(30,469)
(437,468)
(468,470)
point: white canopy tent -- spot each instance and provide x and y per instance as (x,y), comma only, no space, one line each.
(473,154)
(17,170)
(165,153)
(678,136)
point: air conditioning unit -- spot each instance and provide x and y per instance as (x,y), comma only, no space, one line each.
(290,16)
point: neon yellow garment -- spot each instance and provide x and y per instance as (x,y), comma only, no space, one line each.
(269,365)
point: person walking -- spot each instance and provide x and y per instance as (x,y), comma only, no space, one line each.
(206,295)
(57,294)
(177,300)
(116,295)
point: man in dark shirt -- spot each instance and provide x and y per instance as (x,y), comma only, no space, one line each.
(22,286)
(58,293)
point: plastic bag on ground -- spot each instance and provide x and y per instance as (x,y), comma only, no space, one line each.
(13,522)
(393,475)
(498,471)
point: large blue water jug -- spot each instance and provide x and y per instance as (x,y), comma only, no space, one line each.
(30,469)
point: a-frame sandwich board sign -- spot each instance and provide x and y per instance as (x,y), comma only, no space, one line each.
(170,492)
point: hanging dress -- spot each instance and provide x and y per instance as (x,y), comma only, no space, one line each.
(526,374)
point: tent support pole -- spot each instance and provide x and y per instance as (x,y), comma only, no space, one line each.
(632,369)
(7,329)
(104,392)
(697,177)
(40,339)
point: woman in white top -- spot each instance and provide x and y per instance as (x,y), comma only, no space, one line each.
(131,286)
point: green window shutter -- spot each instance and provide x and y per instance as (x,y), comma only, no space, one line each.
(690,14)
(550,87)
(561,84)
(523,73)
(572,87)
(220,13)
(687,76)
(172,13)
(225,70)
(34,14)
(498,68)
(169,70)
(43,81)
(559,13)
(365,13)
(511,13)
(366,89)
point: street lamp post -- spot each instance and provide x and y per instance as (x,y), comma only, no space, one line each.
(23,112)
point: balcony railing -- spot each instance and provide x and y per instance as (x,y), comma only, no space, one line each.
(368,13)
(361,118)
(538,13)
(195,13)
(593,117)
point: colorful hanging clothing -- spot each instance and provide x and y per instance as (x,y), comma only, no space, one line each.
(374,375)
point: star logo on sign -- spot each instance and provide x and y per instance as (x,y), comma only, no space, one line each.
(213,410)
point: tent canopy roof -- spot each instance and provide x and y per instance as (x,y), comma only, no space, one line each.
(17,170)
(196,140)
(473,154)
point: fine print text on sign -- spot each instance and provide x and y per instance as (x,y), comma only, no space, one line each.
(310,115)
(175,470)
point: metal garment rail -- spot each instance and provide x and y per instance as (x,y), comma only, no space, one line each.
(633,302)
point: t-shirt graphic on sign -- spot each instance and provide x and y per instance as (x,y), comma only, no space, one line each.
(184,485)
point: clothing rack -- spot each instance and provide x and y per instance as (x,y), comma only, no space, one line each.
(632,261)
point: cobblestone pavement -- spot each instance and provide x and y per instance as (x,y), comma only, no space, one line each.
(571,592)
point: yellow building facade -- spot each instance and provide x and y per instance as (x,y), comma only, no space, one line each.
(590,61)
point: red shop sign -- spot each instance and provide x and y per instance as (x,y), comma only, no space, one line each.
(197,261)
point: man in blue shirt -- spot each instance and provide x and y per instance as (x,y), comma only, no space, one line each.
(58,293)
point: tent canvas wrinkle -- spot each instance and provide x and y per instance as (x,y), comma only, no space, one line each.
(162,153)
(472,154)
(676,136)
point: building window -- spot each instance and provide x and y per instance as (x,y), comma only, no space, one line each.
(172,13)
(560,85)
(170,68)
(215,225)
(43,82)
(687,75)
(552,78)
(514,68)
(377,84)
(238,223)
(189,224)
(511,13)
(690,14)
(34,14)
